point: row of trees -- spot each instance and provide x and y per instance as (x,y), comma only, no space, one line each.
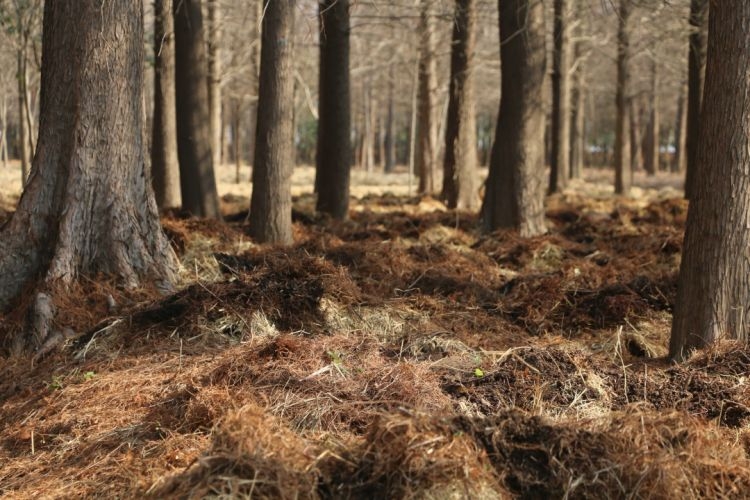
(88,206)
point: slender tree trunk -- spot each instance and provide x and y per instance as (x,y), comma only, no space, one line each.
(4,137)
(634,118)
(560,154)
(514,196)
(577,116)
(214,78)
(87,207)
(696,75)
(680,132)
(271,203)
(651,140)
(237,141)
(426,134)
(460,163)
(165,167)
(390,143)
(197,181)
(623,172)
(23,127)
(333,156)
(713,296)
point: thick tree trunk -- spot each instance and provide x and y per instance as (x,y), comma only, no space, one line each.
(271,203)
(696,75)
(333,156)
(424,155)
(713,296)
(23,127)
(515,187)
(560,154)
(623,172)
(197,181)
(678,165)
(214,78)
(460,162)
(650,141)
(164,164)
(577,117)
(88,206)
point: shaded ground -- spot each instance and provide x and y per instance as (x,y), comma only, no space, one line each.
(399,354)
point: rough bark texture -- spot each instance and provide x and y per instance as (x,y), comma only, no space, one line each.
(634,122)
(650,141)
(23,128)
(197,182)
(460,163)
(333,156)
(271,203)
(214,78)
(424,154)
(164,165)
(623,173)
(560,140)
(88,206)
(713,296)
(515,187)
(696,75)
(577,116)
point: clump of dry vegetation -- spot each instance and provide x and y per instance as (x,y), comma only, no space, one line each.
(398,354)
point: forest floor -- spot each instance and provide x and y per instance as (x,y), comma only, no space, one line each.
(400,354)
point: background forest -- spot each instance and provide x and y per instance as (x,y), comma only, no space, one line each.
(374,249)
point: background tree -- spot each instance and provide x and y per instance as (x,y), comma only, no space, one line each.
(333,156)
(197,182)
(164,164)
(460,163)
(88,207)
(213,44)
(623,173)
(560,154)
(271,202)
(426,140)
(514,196)
(713,297)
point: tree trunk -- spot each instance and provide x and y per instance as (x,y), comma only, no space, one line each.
(514,196)
(87,207)
(164,164)
(578,113)
(237,141)
(333,156)
(214,78)
(197,181)
(678,165)
(634,118)
(460,163)
(4,137)
(424,155)
(651,139)
(623,172)
(560,159)
(390,143)
(713,296)
(696,75)
(23,127)
(271,203)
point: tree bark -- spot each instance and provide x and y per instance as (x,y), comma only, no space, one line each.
(713,296)
(699,10)
(424,153)
(390,143)
(214,78)
(23,127)
(88,206)
(197,181)
(514,196)
(636,134)
(560,154)
(165,167)
(623,172)
(333,155)
(577,116)
(460,162)
(271,202)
